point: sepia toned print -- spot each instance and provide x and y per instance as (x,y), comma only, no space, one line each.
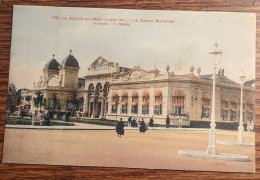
(132,88)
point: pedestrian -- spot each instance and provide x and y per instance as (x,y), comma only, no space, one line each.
(180,122)
(40,117)
(129,121)
(142,128)
(63,117)
(46,117)
(120,128)
(167,121)
(151,122)
(134,123)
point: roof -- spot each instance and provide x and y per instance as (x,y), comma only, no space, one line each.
(221,78)
(52,65)
(250,82)
(70,60)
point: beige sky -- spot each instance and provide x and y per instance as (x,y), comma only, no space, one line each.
(187,41)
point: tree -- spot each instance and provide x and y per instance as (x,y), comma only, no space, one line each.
(73,103)
(38,101)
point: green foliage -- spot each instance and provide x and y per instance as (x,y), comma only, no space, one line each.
(103,122)
(24,121)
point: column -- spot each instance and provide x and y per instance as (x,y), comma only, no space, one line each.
(139,113)
(151,101)
(129,104)
(102,107)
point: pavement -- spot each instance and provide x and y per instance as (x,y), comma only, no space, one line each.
(96,127)
(83,126)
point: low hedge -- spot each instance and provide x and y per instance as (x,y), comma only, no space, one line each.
(21,121)
(219,125)
(103,122)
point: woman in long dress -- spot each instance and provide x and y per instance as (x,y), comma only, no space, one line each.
(120,128)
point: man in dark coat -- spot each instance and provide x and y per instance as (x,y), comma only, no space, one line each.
(120,128)
(151,122)
(167,121)
(142,126)
(130,121)
(134,123)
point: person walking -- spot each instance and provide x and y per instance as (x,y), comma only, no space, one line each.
(120,128)
(129,121)
(167,121)
(151,122)
(142,128)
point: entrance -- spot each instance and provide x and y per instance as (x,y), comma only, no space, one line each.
(99,109)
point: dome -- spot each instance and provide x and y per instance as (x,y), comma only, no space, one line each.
(70,60)
(52,64)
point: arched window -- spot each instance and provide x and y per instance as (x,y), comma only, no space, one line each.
(249,110)
(91,89)
(224,108)
(145,102)
(134,103)
(106,88)
(205,105)
(158,102)
(114,102)
(233,108)
(124,100)
(99,88)
(178,103)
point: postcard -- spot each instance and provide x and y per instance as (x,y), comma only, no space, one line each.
(125,88)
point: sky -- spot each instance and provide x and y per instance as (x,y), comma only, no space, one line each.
(186,41)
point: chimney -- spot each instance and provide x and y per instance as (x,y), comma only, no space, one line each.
(222,72)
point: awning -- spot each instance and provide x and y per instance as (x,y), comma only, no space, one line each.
(124,100)
(145,100)
(134,100)
(178,93)
(225,108)
(178,101)
(157,92)
(157,103)
(224,98)
(114,94)
(234,100)
(23,104)
(233,109)
(206,96)
(134,93)
(206,106)
(124,93)
(145,93)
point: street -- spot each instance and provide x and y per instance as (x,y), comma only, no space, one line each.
(156,149)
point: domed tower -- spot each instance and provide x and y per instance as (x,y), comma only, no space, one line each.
(50,69)
(69,71)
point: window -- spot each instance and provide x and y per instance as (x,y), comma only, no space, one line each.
(145,109)
(114,102)
(232,115)
(205,105)
(124,102)
(205,112)
(158,102)
(224,115)
(145,103)
(249,116)
(124,108)
(178,103)
(114,108)
(134,109)
(158,109)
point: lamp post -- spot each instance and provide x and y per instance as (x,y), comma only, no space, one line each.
(240,138)
(215,60)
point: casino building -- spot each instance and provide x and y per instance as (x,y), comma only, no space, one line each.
(111,91)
